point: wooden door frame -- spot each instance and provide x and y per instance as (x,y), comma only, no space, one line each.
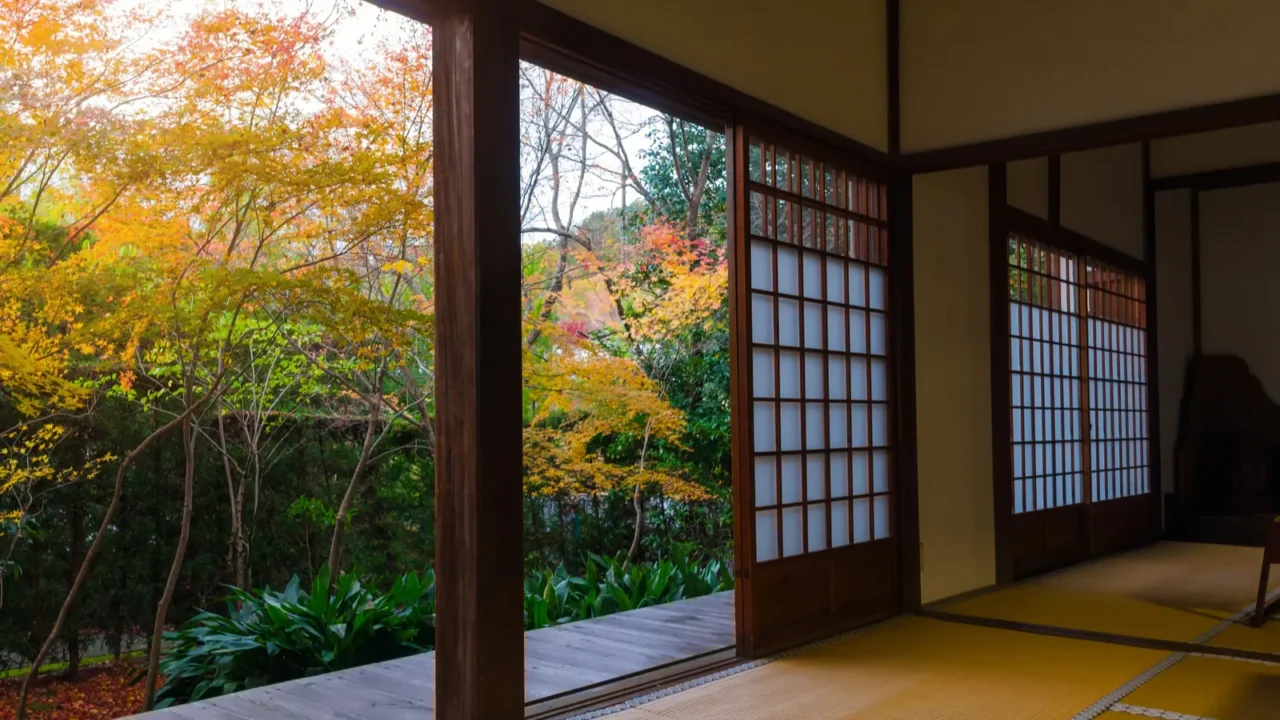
(479,599)
(1003,219)
(480,664)
(571,47)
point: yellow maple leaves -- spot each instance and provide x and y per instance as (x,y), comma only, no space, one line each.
(596,415)
(26,461)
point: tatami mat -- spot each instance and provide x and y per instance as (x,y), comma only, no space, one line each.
(1172,574)
(1065,608)
(1216,688)
(1243,636)
(1169,591)
(917,669)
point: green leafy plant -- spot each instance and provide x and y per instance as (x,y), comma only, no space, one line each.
(610,585)
(267,637)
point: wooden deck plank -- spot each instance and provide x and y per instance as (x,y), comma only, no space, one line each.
(621,642)
(656,632)
(558,660)
(203,711)
(412,679)
(356,699)
(631,642)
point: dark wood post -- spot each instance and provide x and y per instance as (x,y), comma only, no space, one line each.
(480,628)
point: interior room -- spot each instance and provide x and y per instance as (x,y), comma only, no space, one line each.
(998,293)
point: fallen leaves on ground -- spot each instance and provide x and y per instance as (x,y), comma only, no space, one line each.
(101,693)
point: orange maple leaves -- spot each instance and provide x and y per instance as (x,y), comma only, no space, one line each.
(101,693)
(589,394)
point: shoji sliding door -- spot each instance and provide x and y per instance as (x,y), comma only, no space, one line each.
(1047,431)
(817,501)
(1078,474)
(1125,509)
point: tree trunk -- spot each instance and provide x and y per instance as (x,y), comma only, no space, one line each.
(699,186)
(349,498)
(94,548)
(162,609)
(637,498)
(235,558)
(77,551)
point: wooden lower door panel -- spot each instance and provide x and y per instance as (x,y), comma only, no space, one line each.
(814,595)
(1118,525)
(1050,539)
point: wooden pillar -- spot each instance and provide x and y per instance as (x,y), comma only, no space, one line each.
(480,629)
(1001,399)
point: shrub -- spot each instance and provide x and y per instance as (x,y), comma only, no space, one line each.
(268,637)
(610,585)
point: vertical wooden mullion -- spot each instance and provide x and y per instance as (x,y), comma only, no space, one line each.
(826,374)
(479,555)
(866,370)
(1059,482)
(797,183)
(777,342)
(1042,480)
(1085,377)
(1109,358)
(1130,424)
(889,344)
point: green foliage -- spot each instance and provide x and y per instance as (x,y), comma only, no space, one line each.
(276,636)
(678,143)
(610,585)
(267,637)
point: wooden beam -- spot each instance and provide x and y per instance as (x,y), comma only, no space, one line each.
(1197,316)
(1185,121)
(480,628)
(1149,254)
(1218,179)
(740,405)
(903,358)
(893,29)
(1001,404)
(1055,190)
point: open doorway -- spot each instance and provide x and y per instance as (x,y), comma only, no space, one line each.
(628,521)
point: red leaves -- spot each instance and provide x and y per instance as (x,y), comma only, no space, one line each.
(102,693)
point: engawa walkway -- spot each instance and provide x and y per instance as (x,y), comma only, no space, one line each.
(558,660)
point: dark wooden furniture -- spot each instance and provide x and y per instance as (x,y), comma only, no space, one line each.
(1228,455)
(1270,554)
